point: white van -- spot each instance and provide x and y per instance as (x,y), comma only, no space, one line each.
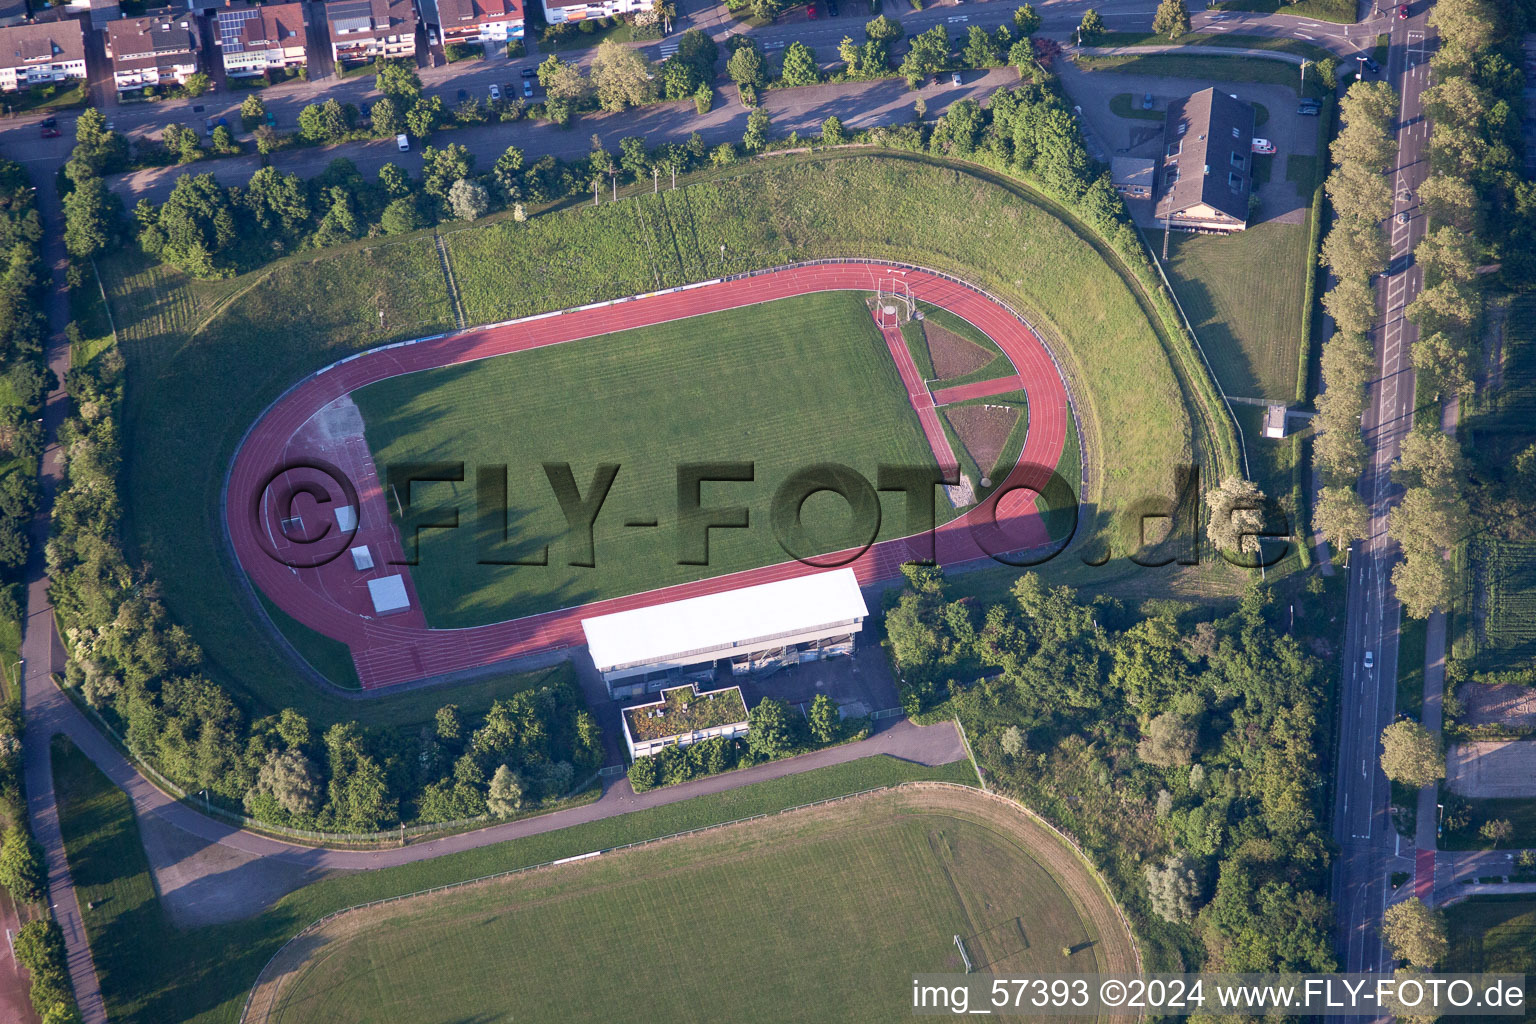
(404,143)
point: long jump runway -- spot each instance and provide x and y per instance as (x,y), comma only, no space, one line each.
(283,489)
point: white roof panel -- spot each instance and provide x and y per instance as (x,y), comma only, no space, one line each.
(388,594)
(362,558)
(721,621)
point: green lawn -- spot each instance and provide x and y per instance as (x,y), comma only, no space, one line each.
(45,99)
(876,892)
(783,386)
(1494,934)
(1200,67)
(1340,12)
(1518,811)
(151,973)
(1125,105)
(1410,667)
(1244,294)
(206,358)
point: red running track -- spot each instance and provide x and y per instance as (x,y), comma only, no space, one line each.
(980,389)
(333,598)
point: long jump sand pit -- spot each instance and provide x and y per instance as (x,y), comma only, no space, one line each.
(812,915)
(1492,768)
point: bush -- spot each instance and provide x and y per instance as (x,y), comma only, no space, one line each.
(22,871)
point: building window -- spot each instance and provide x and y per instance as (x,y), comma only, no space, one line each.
(1237,160)
(1174,149)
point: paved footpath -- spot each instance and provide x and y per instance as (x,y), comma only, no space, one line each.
(38,643)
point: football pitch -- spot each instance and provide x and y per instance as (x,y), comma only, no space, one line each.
(773,389)
(815,915)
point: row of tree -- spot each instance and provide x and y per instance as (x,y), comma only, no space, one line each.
(775,730)
(1181,751)
(1355,250)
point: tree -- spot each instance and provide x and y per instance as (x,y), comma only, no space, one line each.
(1091,27)
(424,116)
(22,871)
(1411,755)
(1449,199)
(1026,20)
(506,795)
(883,29)
(1356,249)
(621,76)
(397,79)
(832,131)
(289,778)
(1497,831)
(1012,741)
(1348,362)
(928,55)
(440,168)
(756,135)
(468,199)
(1443,364)
(981,50)
(1448,253)
(1352,304)
(1430,458)
(1340,516)
(1415,933)
(561,81)
(507,172)
(87,227)
(197,83)
(1237,516)
(746,67)
(1423,583)
(252,112)
(800,66)
(704,98)
(1171,19)
(400,217)
(1173,889)
(1169,739)
(386,118)
(1469,25)
(826,722)
(771,729)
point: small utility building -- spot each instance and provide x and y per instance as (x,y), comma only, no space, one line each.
(757,628)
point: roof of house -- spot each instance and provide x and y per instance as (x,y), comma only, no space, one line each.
(49,43)
(352,18)
(477,12)
(261,28)
(683,709)
(720,622)
(1208,155)
(162,40)
(1131,170)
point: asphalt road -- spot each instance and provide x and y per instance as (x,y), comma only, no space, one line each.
(1362,825)
(19,137)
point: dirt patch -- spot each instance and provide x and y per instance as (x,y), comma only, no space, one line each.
(1492,768)
(952,355)
(1502,704)
(984,430)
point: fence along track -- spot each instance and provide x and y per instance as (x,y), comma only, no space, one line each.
(265,993)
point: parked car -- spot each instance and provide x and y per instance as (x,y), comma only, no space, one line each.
(495,92)
(528,72)
(831,8)
(1403,218)
(1402,12)
(810,11)
(1263,146)
(954,78)
(1309,108)
(403,142)
(1146,102)
(527,88)
(49,127)
(207,126)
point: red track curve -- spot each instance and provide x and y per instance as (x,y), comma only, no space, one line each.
(333,599)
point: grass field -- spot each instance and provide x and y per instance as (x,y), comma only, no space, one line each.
(1125,105)
(1223,69)
(206,358)
(874,890)
(1495,935)
(152,973)
(1520,812)
(782,385)
(1243,293)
